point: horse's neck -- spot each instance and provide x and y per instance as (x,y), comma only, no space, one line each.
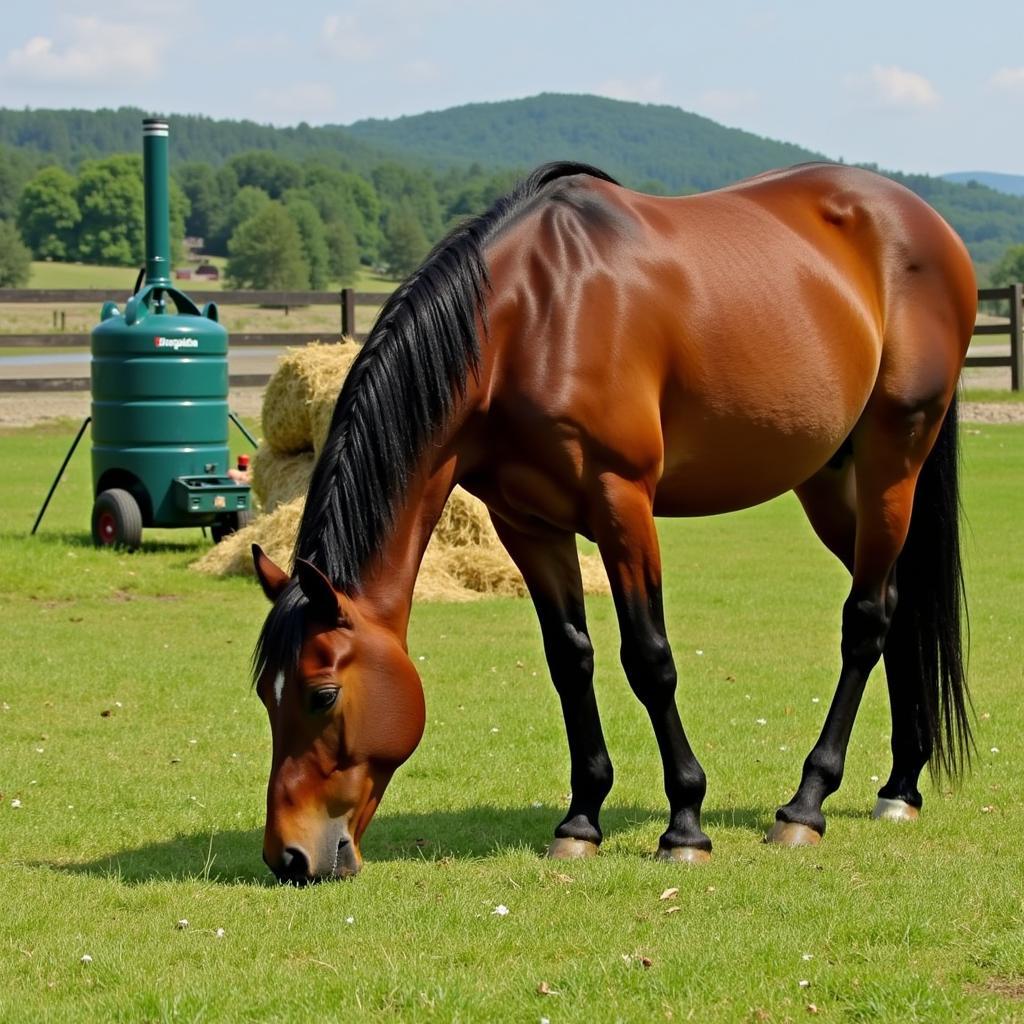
(387,584)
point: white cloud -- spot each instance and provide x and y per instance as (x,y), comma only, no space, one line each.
(342,37)
(895,88)
(638,90)
(1008,80)
(88,51)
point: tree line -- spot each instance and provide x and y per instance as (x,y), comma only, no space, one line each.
(312,222)
(281,223)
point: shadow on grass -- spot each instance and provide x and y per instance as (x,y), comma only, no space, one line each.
(234,857)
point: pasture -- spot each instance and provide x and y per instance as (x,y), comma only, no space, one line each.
(133,757)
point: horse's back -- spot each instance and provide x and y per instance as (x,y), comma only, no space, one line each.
(724,345)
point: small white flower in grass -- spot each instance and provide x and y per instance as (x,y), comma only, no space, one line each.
(39,750)
(544,1020)
(698,653)
(494,728)
(874,778)
(182,924)
(219,933)
(815,700)
(536,804)
(807,956)
(994,750)
(804,983)
(761,721)
(423,657)
(350,920)
(86,959)
(16,804)
(500,910)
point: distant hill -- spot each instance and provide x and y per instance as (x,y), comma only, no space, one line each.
(637,142)
(67,137)
(647,145)
(1011,184)
(657,148)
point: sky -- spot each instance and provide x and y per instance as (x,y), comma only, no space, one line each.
(926,87)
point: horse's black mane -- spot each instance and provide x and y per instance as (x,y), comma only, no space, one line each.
(400,391)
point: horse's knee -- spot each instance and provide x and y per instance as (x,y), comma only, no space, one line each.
(570,657)
(650,668)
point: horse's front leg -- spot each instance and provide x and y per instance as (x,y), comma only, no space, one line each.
(628,541)
(550,566)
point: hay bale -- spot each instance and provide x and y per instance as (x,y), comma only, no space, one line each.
(275,533)
(278,479)
(464,560)
(307,376)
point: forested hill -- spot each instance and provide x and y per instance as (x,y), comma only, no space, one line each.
(68,137)
(1012,184)
(641,144)
(657,148)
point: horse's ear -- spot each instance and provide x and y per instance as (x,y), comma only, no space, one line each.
(324,600)
(273,579)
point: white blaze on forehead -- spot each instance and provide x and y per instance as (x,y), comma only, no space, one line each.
(279,687)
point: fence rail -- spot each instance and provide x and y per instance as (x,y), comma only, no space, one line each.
(347,300)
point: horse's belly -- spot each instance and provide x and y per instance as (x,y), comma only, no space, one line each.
(719,460)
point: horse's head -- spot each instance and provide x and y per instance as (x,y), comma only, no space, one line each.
(344,714)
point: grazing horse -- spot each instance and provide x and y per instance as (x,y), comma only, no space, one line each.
(584,358)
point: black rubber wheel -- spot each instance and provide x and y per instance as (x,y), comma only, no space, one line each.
(116,520)
(230,523)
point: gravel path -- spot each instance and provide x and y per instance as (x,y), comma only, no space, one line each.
(17,410)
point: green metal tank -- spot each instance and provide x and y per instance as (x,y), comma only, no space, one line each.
(160,396)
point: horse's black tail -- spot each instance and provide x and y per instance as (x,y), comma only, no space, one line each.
(929,625)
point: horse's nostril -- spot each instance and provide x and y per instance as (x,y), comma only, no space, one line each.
(294,865)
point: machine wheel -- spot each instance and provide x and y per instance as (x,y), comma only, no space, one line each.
(116,520)
(230,523)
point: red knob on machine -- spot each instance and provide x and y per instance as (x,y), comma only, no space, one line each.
(243,463)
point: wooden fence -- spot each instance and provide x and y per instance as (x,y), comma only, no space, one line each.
(348,299)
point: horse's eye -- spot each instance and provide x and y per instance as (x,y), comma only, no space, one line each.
(323,699)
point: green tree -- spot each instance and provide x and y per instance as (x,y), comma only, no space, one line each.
(1010,268)
(271,172)
(343,250)
(15,258)
(247,202)
(265,252)
(405,242)
(48,214)
(314,239)
(110,198)
(210,192)
(15,170)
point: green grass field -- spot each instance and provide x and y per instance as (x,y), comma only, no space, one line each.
(131,738)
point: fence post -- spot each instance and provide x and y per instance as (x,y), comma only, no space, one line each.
(1016,336)
(348,313)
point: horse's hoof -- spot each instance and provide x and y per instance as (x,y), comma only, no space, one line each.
(683,854)
(566,848)
(790,833)
(894,810)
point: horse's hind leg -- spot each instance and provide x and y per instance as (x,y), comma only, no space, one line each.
(625,533)
(889,445)
(829,500)
(551,569)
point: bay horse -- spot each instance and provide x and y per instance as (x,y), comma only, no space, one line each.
(583,358)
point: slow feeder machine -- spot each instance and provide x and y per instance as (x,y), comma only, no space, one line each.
(160,397)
